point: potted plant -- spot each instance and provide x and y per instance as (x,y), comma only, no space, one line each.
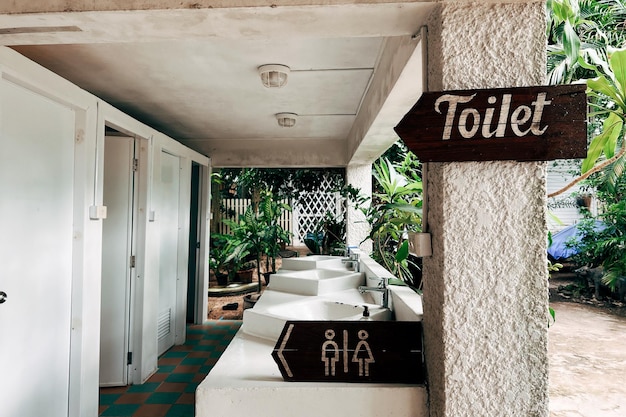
(274,235)
(249,233)
(219,255)
(246,270)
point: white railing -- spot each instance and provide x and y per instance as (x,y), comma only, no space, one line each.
(235,207)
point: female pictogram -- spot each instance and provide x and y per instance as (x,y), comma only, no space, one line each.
(330,353)
(363,354)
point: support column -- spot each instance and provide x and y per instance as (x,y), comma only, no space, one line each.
(485,286)
(357,228)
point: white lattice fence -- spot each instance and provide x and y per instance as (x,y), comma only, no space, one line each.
(312,206)
(235,207)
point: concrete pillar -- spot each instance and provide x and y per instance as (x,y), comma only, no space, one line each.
(357,228)
(485,287)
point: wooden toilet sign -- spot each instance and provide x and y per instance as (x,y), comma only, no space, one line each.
(351,351)
(524,124)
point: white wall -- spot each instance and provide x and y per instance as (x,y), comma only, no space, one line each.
(145,353)
(91,116)
(85,311)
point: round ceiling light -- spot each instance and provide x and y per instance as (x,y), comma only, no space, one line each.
(286,119)
(274,75)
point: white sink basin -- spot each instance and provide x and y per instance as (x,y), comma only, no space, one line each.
(315,281)
(268,322)
(313,262)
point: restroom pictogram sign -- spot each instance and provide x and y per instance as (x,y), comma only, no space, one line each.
(524,124)
(351,351)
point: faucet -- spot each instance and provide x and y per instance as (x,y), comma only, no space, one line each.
(383,287)
(353,259)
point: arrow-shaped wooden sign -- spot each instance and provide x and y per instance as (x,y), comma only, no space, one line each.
(351,351)
(523,124)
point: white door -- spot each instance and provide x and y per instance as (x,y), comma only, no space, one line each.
(117,234)
(168,217)
(36,210)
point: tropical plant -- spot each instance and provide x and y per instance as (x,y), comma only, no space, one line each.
(606,246)
(588,37)
(579,33)
(249,234)
(219,257)
(258,232)
(584,39)
(328,236)
(394,211)
(270,210)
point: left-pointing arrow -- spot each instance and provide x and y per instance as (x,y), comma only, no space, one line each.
(282,348)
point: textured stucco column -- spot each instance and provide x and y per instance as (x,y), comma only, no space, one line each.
(485,287)
(357,228)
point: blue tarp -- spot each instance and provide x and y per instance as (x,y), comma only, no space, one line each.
(559,248)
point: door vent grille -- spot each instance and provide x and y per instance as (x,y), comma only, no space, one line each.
(164,323)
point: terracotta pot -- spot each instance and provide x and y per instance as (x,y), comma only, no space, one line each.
(245,276)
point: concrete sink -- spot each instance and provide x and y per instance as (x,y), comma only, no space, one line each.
(269,322)
(313,262)
(315,281)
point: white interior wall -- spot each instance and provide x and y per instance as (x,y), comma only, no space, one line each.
(85,331)
(91,116)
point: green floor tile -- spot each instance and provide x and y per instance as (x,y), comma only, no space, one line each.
(120,410)
(174,354)
(216,354)
(166,369)
(107,399)
(204,348)
(212,340)
(214,337)
(181,410)
(180,377)
(193,361)
(191,387)
(163,398)
(147,387)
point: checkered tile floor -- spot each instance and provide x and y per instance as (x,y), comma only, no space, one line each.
(171,391)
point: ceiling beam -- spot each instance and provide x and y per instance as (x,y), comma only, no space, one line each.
(396,86)
(332,21)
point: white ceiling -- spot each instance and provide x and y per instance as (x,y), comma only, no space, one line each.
(202,87)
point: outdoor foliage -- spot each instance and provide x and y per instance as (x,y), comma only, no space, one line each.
(606,246)
(270,211)
(587,43)
(257,232)
(394,210)
(584,41)
(329,236)
(283,182)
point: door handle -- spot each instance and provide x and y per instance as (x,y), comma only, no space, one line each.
(3,297)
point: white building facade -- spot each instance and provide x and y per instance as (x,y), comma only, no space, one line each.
(485,286)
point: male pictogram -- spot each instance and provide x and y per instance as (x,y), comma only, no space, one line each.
(330,353)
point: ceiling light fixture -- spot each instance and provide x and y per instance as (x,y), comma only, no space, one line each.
(286,119)
(274,75)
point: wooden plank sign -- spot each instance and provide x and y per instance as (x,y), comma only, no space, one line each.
(351,351)
(523,124)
